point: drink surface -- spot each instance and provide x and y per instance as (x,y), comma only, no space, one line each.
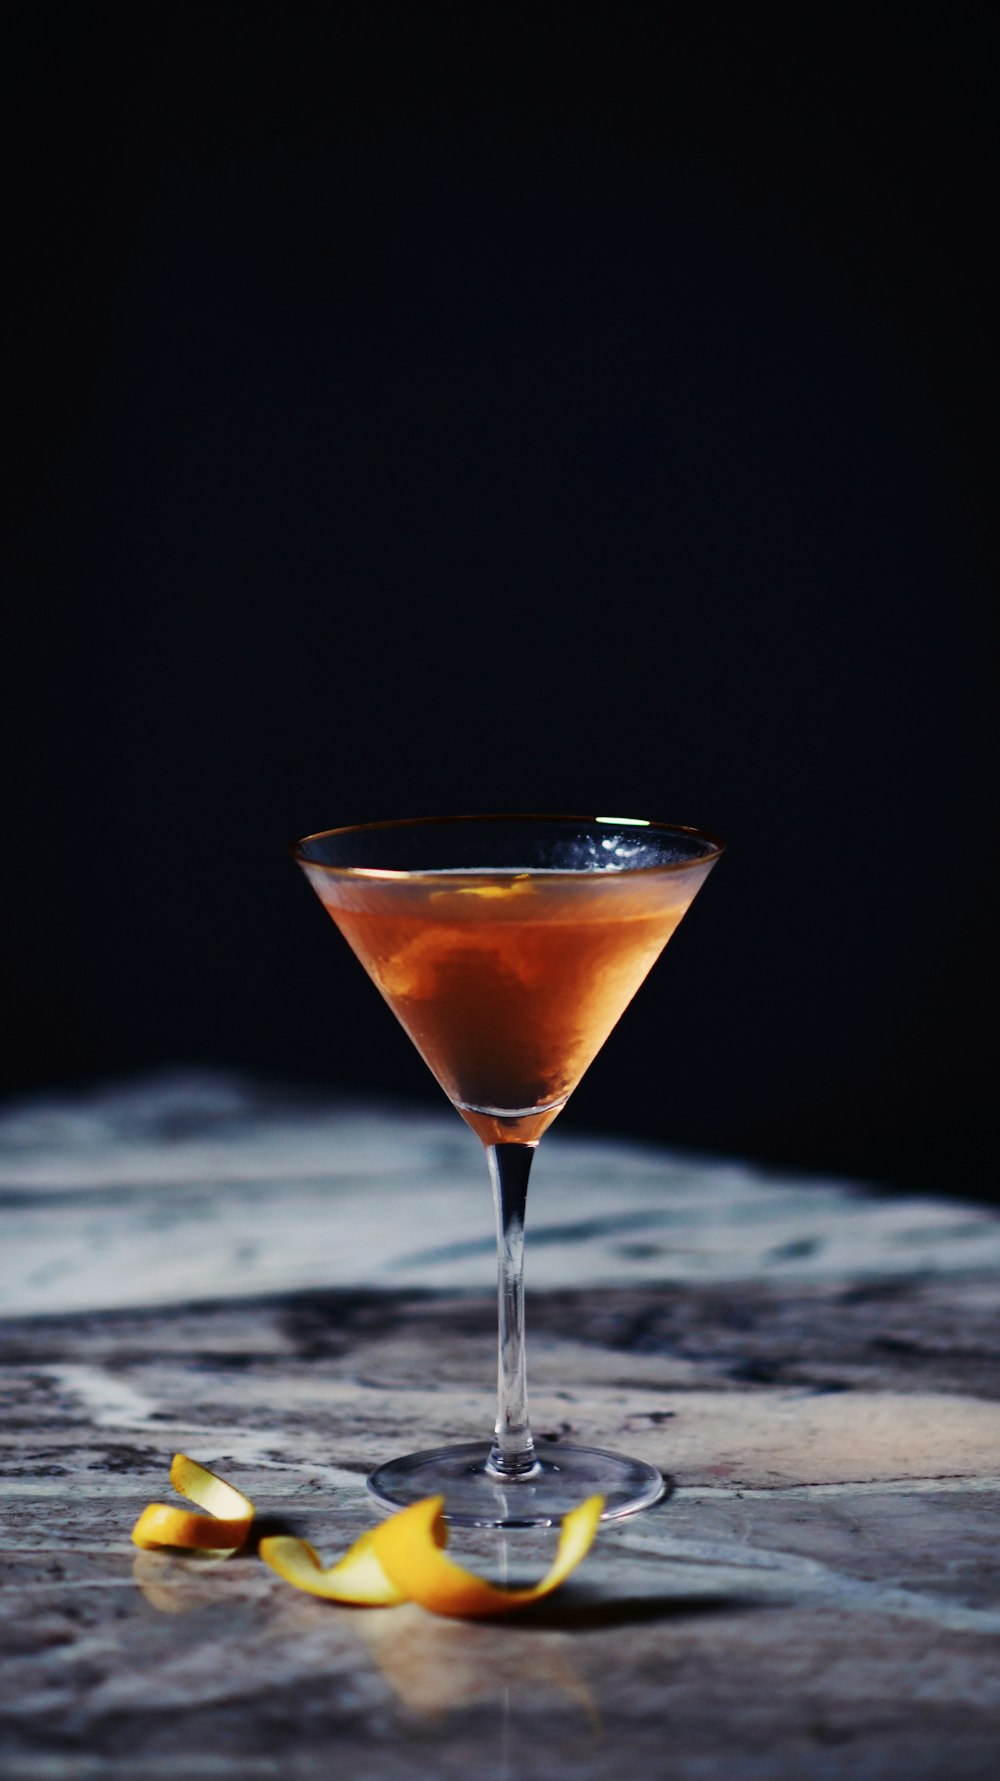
(508,983)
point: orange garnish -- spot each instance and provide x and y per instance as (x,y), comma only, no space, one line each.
(357,1579)
(410,1545)
(402,1560)
(224,1529)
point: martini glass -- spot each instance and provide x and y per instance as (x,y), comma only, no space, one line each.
(508,947)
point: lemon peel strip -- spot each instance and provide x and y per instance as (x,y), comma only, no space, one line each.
(225,1527)
(358,1579)
(410,1545)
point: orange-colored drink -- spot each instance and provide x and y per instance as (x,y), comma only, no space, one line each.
(509,983)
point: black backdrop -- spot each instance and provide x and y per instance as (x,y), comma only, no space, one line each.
(438,408)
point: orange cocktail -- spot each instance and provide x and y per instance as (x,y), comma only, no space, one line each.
(509,984)
(508,947)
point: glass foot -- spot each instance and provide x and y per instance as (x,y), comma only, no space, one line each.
(563,1479)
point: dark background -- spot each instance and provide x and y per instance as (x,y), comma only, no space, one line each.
(436,408)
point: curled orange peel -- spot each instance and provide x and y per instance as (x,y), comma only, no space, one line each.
(409,1547)
(403,1560)
(225,1528)
(357,1579)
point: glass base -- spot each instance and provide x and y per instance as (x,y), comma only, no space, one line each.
(475,1497)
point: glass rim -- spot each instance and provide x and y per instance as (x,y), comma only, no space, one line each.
(716,846)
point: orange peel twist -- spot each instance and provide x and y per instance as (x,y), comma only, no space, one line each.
(402,1560)
(357,1579)
(225,1528)
(410,1549)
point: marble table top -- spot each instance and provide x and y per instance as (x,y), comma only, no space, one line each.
(292,1291)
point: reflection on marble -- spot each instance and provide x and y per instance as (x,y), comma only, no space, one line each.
(291,1293)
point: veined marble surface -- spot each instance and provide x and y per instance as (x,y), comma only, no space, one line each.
(292,1292)
(186,1187)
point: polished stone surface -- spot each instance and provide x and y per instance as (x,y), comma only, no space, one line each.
(291,1293)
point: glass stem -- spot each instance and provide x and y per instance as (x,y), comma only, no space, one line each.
(513,1451)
